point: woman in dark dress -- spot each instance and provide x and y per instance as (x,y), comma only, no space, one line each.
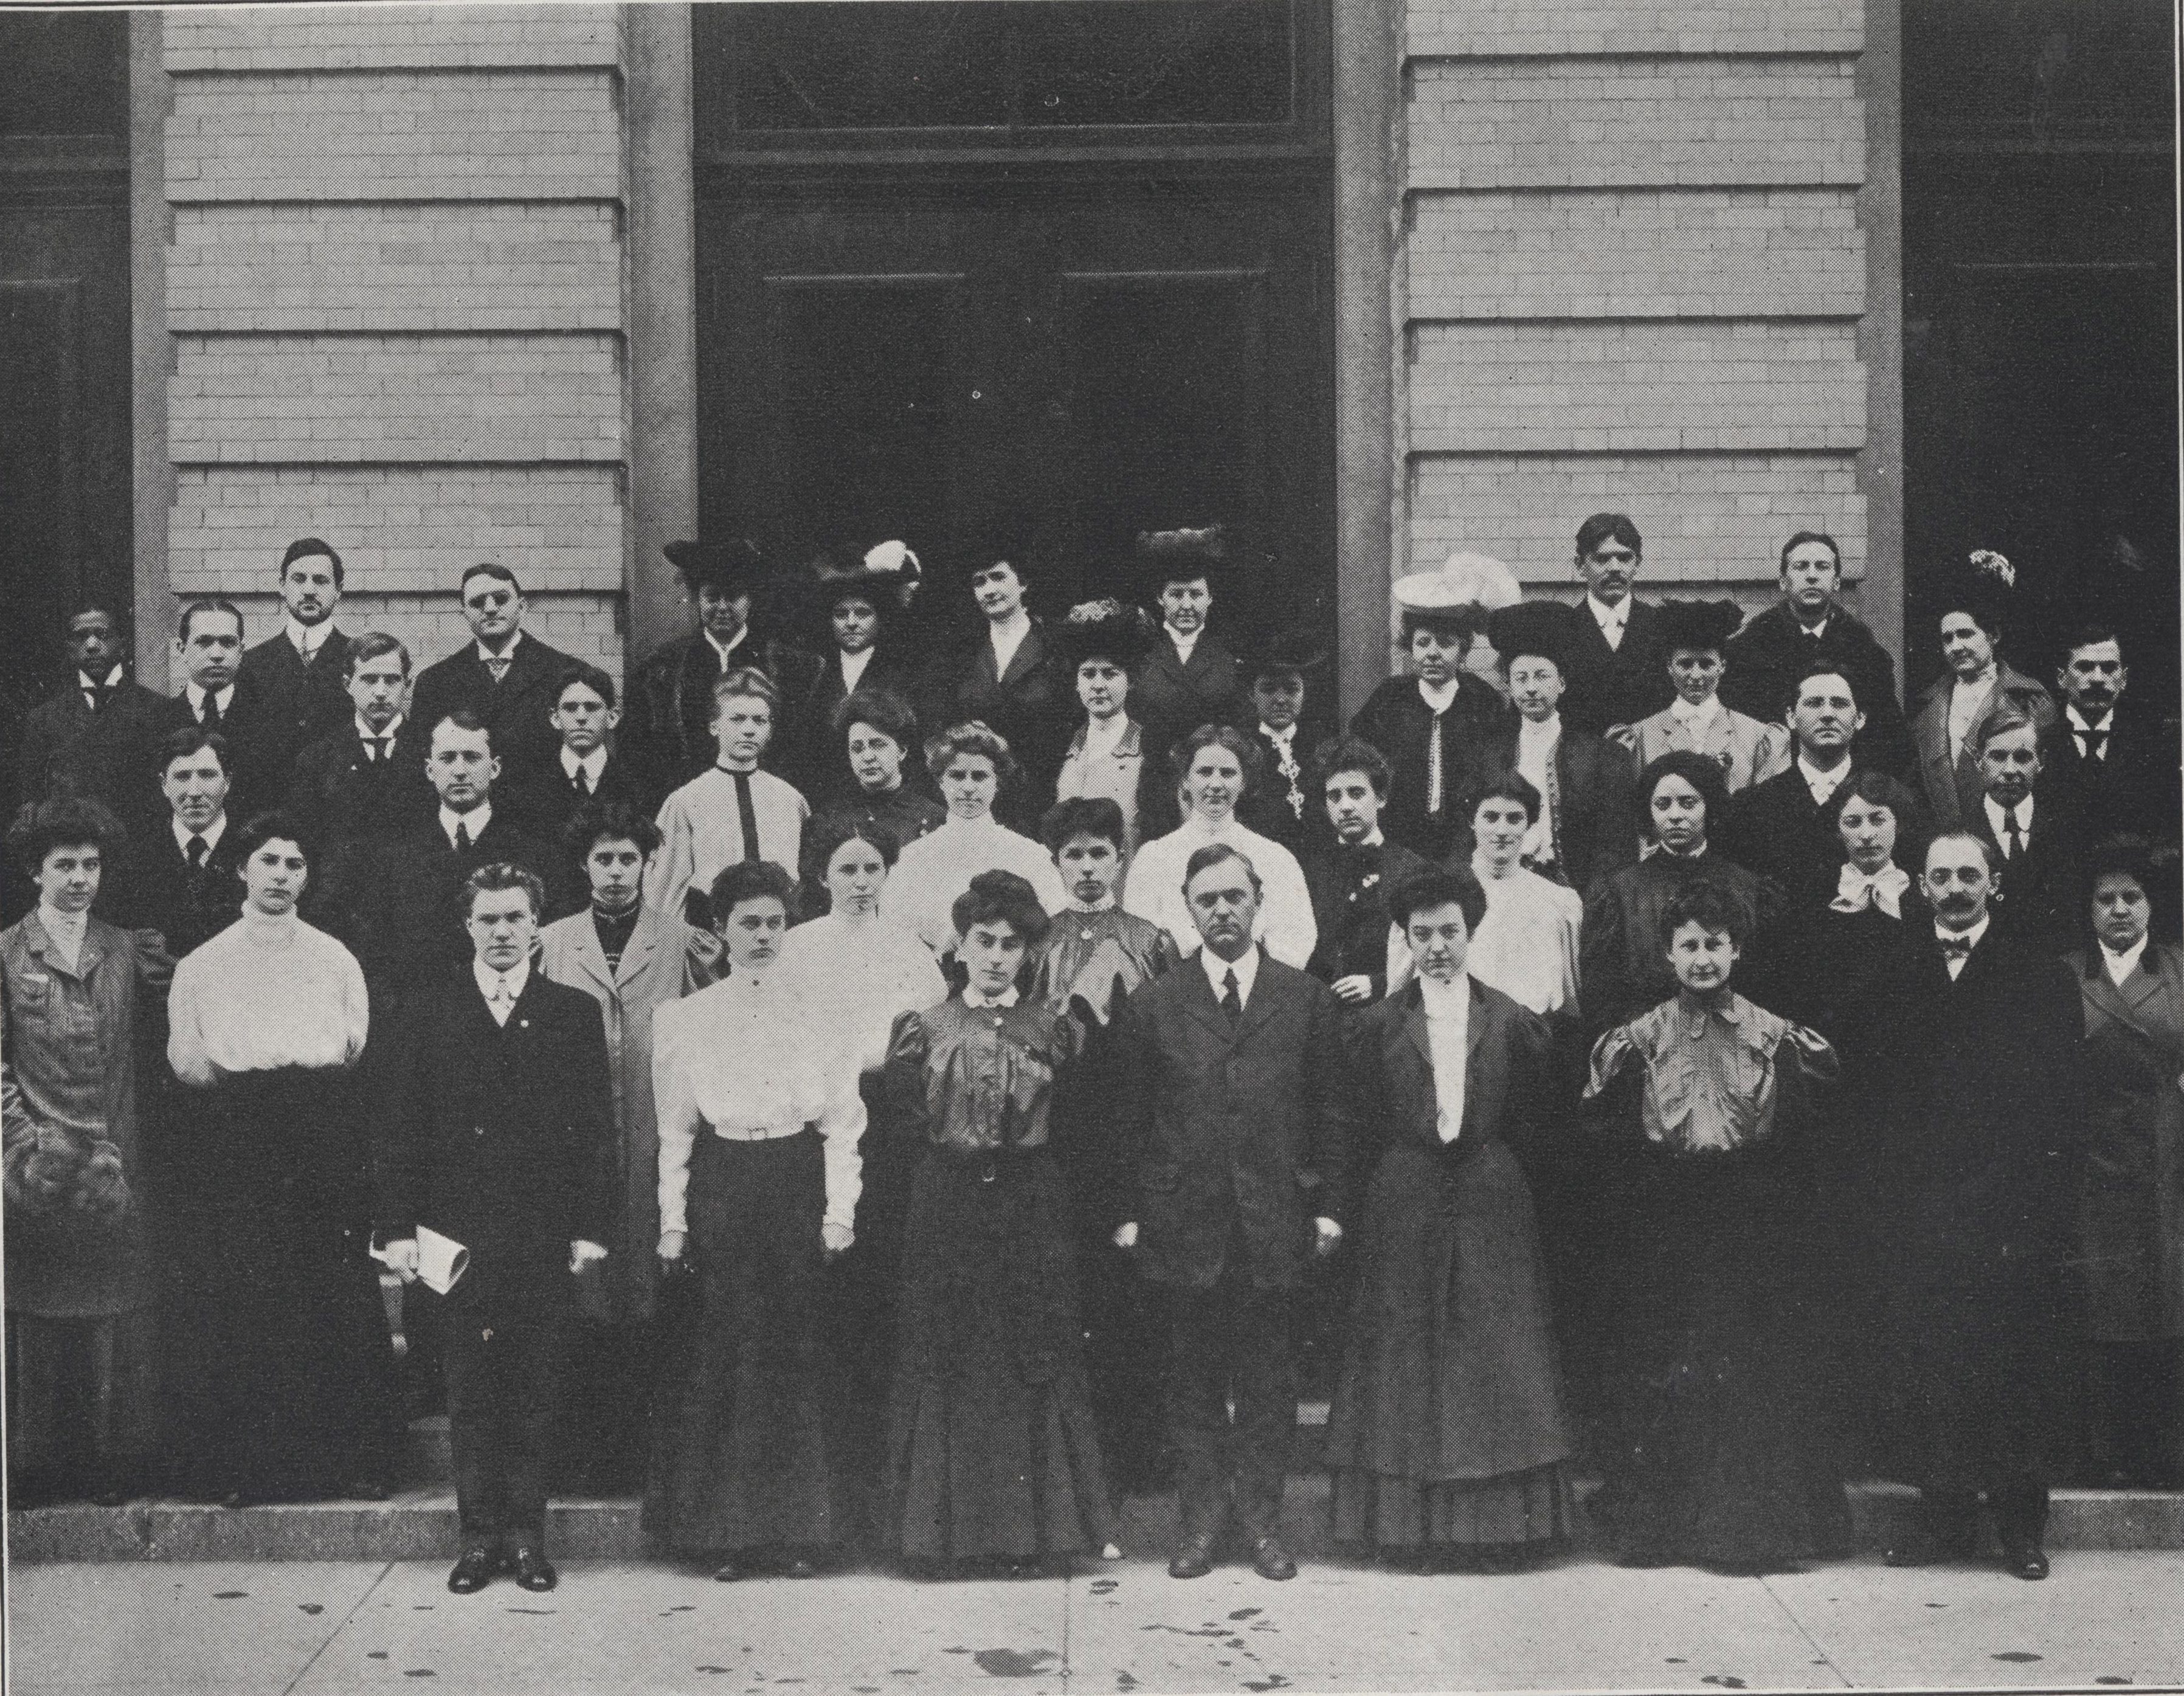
(993,1456)
(1448,1437)
(1712,1458)
(756,1086)
(287,1387)
(2130,1283)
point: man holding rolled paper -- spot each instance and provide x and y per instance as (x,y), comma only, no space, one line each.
(495,1179)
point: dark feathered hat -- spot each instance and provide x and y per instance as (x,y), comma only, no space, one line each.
(1100,629)
(1177,556)
(1300,650)
(735,567)
(1543,629)
(1982,585)
(887,573)
(1697,626)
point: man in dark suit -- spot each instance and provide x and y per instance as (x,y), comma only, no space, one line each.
(366,777)
(503,1141)
(1352,878)
(297,676)
(1807,628)
(94,735)
(2110,760)
(2039,899)
(1010,679)
(214,699)
(1785,828)
(1189,676)
(1618,658)
(1985,1103)
(396,895)
(1239,1114)
(668,727)
(1585,828)
(591,766)
(178,879)
(505,676)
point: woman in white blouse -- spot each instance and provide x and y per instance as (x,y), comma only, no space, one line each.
(1526,946)
(285,1389)
(756,1090)
(971,763)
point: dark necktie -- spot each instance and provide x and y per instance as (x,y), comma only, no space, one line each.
(307,655)
(579,781)
(2091,742)
(746,816)
(1232,999)
(195,850)
(97,696)
(2015,844)
(1956,947)
(210,721)
(1434,769)
(378,755)
(462,837)
(499,668)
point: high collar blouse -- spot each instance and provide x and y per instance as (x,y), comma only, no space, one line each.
(981,1079)
(1712,1070)
(864,973)
(264,994)
(1527,945)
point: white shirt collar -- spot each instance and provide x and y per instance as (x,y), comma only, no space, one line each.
(1105,735)
(365,733)
(1437,701)
(66,931)
(489,981)
(2119,965)
(1546,731)
(1813,631)
(1217,970)
(854,665)
(1973,935)
(1446,1000)
(474,820)
(1684,713)
(212,833)
(225,696)
(1007,997)
(307,638)
(1279,738)
(2000,824)
(590,765)
(87,683)
(1185,645)
(515,641)
(1822,784)
(2078,720)
(1607,617)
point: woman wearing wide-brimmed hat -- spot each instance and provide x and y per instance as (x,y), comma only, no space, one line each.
(854,610)
(1100,645)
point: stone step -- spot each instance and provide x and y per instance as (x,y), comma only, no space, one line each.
(419,1525)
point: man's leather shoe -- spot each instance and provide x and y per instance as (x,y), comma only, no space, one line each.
(1194,1556)
(2023,1560)
(729,1571)
(473,1572)
(1269,1559)
(534,1570)
(799,1566)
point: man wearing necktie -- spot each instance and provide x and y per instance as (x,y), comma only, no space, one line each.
(733,813)
(1982,1107)
(93,735)
(208,644)
(366,778)
(1236,1122)
(2114,765)
(590,765)
(2039,845)
(504,674)
(177,887)
(298,673)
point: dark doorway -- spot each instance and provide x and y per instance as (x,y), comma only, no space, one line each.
(1057,271)
(64,339)
(2041,319)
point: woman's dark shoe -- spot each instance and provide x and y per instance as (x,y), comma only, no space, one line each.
(1269,1559)
(2024,1560)
(799,1566)
(472,1571)
(728,1571)
(534,1572)
(1194,1556)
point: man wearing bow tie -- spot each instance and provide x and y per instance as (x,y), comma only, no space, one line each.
(367,778)
(1238,1111)
(503,1139)
(298,674)
(1983,1106)
(2111,763)
(93,735)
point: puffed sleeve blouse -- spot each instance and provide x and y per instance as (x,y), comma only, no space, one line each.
(264,994)
(1712,1072)
(981,1078)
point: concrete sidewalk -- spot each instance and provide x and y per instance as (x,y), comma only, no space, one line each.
(2106,1618)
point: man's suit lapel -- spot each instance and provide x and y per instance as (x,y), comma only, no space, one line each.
(1200,1002)
(1268,991)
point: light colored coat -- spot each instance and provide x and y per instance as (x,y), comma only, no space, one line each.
(1749,750)
(1950,776)
(666,959)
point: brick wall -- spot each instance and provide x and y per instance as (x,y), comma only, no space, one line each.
(394,279)
(1632,277)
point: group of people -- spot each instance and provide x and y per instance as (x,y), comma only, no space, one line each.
(911,1095)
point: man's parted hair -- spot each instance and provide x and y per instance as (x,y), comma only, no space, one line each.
(463,719)
(2000,721)
(1803,537)
(372,644)
(1220,853)
(748,682)
(487,568)
(2091,634)
(1987,849)
(499,876)
(191,739)
(1341,754)
(311,548)
(598,681)
(1603,526)
(1818,668)
(207,608)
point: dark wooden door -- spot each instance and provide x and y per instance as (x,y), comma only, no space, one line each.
(1068,367)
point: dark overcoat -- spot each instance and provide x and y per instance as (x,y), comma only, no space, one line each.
(340,794)
(1596,828)
(1033,705)
(2136,784)
(1766,657)
(1615,685)
(667,720)
(1395,720)
(514,709)
(68,750)
(1239,1132)
(302,702)
(1777,829)
(2129,1264)
(1171,698)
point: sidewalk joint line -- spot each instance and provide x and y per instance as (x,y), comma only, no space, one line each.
(1811,1642)
(304,1671)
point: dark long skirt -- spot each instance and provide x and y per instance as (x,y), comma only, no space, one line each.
(991,1446)
(744,1461)
(82,1400)
(1448,1427)
(1714,1456)
(280,1367)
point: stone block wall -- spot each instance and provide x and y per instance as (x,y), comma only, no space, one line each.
(1632,276)
(395,284)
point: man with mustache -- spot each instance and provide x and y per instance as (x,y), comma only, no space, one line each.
(299,673)
(1617,663)
(2110,761)
(1982,1110)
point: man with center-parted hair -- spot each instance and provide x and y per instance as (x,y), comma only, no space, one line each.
(500,1137)
(1984,1105)
(298,674)
(504,676)
(215,700)
(2037,845)
(174,884)
(367,777)
(93,734)
(1236,1124)
(590,765)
